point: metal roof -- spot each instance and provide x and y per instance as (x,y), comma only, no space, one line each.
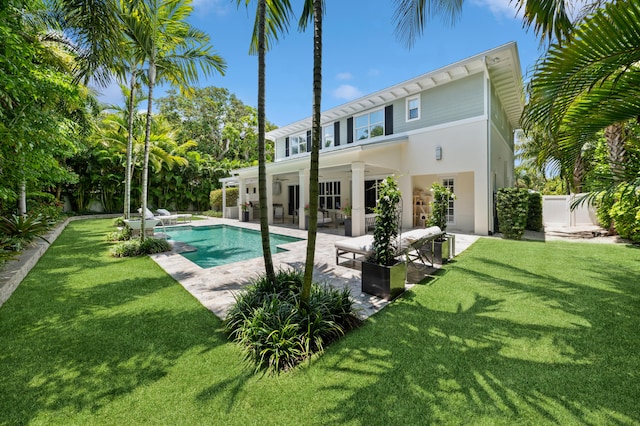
(503,65)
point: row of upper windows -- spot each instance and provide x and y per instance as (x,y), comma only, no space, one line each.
(365,126)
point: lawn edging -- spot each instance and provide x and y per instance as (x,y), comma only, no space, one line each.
(15,270)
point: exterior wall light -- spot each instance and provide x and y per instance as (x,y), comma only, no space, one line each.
(438,153)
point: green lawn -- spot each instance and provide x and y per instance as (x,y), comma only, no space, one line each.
(512,332)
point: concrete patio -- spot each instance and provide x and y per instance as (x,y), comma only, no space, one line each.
(215,287)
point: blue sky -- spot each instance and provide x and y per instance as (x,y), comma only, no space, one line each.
(361,53)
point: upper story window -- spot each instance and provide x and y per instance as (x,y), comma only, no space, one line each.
(413,108)
(328,136)
(298,144)
(369,125)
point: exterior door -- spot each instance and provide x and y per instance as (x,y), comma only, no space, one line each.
(294,199)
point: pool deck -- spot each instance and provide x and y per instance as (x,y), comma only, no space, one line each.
(215,287)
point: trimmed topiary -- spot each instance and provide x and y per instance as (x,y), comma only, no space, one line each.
(215,198)
(513,209)
(534,217)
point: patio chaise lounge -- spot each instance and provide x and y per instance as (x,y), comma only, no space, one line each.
(412,245)
(165,215)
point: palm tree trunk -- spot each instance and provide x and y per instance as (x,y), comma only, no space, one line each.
(22,201)
(578,174)
(615,137)
(262,160)
(147,143)
(315,151)
(127,178)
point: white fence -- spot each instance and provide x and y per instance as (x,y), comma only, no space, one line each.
(556,211)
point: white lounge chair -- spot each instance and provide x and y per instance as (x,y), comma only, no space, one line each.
(166,217)
(412,245)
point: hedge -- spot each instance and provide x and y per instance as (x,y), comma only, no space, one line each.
(513,209)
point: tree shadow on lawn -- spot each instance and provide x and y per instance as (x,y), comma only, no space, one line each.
(490,346)
(81,330)
(88,363)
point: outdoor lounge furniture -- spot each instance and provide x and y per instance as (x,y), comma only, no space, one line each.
(324,217)
(165,217)
(413,245)
(369,221)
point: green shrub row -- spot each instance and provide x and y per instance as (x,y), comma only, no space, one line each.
(534,217)
(512,205)
(277,331)
(215,198)
(622,212)
(136,247)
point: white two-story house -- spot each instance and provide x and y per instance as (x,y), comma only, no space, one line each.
(454,125)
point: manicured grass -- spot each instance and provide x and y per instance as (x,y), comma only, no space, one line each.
(512,332)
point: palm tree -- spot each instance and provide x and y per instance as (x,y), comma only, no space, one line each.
(590,83)
(272,19)
(171,48)
(313,9)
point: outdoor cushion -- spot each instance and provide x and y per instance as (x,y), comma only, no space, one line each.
(163,212)
(148,213)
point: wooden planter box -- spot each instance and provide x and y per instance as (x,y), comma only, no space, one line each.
(386,282)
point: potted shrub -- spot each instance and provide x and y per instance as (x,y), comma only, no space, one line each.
(346,210)
(383,274)
(245,211)
(441,248)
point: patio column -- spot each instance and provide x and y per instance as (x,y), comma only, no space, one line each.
(357,204)
(270,198)
(242,196)
(406,188)
(303,176)
(224,200)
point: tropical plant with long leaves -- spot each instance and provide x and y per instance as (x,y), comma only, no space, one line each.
(591,83)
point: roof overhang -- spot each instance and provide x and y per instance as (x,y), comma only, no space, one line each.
(502,63)
(346,154)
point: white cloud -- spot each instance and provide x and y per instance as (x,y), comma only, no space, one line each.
(203,7)
(347,92)
(500,8)
(373,72)
(344,76)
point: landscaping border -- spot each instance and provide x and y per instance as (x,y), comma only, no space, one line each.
(15,270)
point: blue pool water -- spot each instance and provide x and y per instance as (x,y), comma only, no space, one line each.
(221,244)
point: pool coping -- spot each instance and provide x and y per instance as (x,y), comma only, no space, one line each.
(217,286)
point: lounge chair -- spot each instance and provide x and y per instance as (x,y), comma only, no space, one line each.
(369,221)
(413,245)
(324,218)
(165,217)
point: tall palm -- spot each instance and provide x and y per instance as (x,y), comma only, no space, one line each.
(313,10)
(171,49)
(272,19)
(95,30)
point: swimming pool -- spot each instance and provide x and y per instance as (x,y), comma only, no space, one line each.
(222,244)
